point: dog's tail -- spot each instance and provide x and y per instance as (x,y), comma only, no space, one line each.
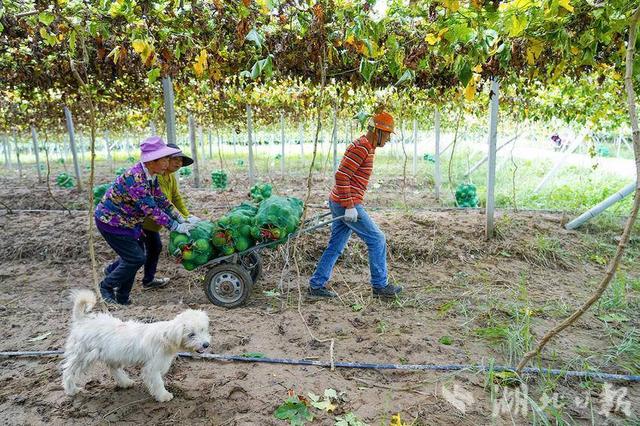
(83,302)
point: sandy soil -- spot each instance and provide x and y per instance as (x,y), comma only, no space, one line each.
(454,281)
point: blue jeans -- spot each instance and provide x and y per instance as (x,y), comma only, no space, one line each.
(152,245)
(368,231)
(122,272)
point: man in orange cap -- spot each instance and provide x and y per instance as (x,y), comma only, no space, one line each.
(345,200)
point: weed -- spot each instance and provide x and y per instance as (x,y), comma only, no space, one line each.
(382,327)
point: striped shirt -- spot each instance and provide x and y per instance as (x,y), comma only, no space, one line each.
(353,174)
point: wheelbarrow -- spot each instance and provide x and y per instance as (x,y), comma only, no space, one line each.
(229,279)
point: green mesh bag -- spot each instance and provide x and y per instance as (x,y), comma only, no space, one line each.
(194,249)
(233,231)
(219,179)
(277,217)
(98,192)
(466,195)
(260,192)
(63,180)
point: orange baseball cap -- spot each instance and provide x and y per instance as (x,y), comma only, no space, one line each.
(383,121)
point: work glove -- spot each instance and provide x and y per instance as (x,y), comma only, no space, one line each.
(351,215)
(193,219)
(182,228)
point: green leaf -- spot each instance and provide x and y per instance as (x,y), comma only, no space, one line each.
(330,393)
(465,74)
(72,41)
(367,69)
(408,75)
(255,37)
(153,75)
(460,33)
(46,18)
(517,25)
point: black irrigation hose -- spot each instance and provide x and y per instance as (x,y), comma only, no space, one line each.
(375,366)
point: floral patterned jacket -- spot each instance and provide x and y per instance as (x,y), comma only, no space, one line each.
(134,196)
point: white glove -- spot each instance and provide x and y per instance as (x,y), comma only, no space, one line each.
(351,215)
(182,228)
(193,219)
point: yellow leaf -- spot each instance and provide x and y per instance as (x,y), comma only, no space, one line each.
(139,45)
(442,32)
(114,54)
(396,421)
(452,5)
(477,68)
(470,90)
(566,4)
(518,24)
(201,63)
(534,50)
(431,39)
(575,50)
(350,39)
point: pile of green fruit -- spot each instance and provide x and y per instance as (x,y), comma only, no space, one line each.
(466,195)
(185,171)
(260,192)
(277,217)
(99,191)
(219,179)
(194,249)
(236,231)
(63,180)
(267,218)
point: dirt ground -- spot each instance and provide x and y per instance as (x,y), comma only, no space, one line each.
(455,283)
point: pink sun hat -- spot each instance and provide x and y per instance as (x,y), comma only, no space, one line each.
(153,148)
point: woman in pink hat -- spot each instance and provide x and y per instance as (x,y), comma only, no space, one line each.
(134,196)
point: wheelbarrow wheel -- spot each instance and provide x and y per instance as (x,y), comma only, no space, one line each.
(228,285)
(252,262)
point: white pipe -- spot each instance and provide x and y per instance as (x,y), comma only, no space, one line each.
(414,166)
(34,137)
(484,160)
(252,178)
(194,151)
(334,140)
(169,110)
(7,151)
(602,206)
(438,180)
(491,174)
(282,141)
(72,144)
(556,167)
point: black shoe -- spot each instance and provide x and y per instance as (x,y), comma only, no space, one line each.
(107,295)
(124,302)
(321,292)
(156,283)
(389,290)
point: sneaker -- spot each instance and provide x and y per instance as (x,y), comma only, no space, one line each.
(125,303)
(321,292)
(107,295)
(389,290)
(156,283)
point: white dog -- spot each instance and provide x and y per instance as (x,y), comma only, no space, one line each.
(101,337)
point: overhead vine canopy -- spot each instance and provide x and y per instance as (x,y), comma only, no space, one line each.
(222,54)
